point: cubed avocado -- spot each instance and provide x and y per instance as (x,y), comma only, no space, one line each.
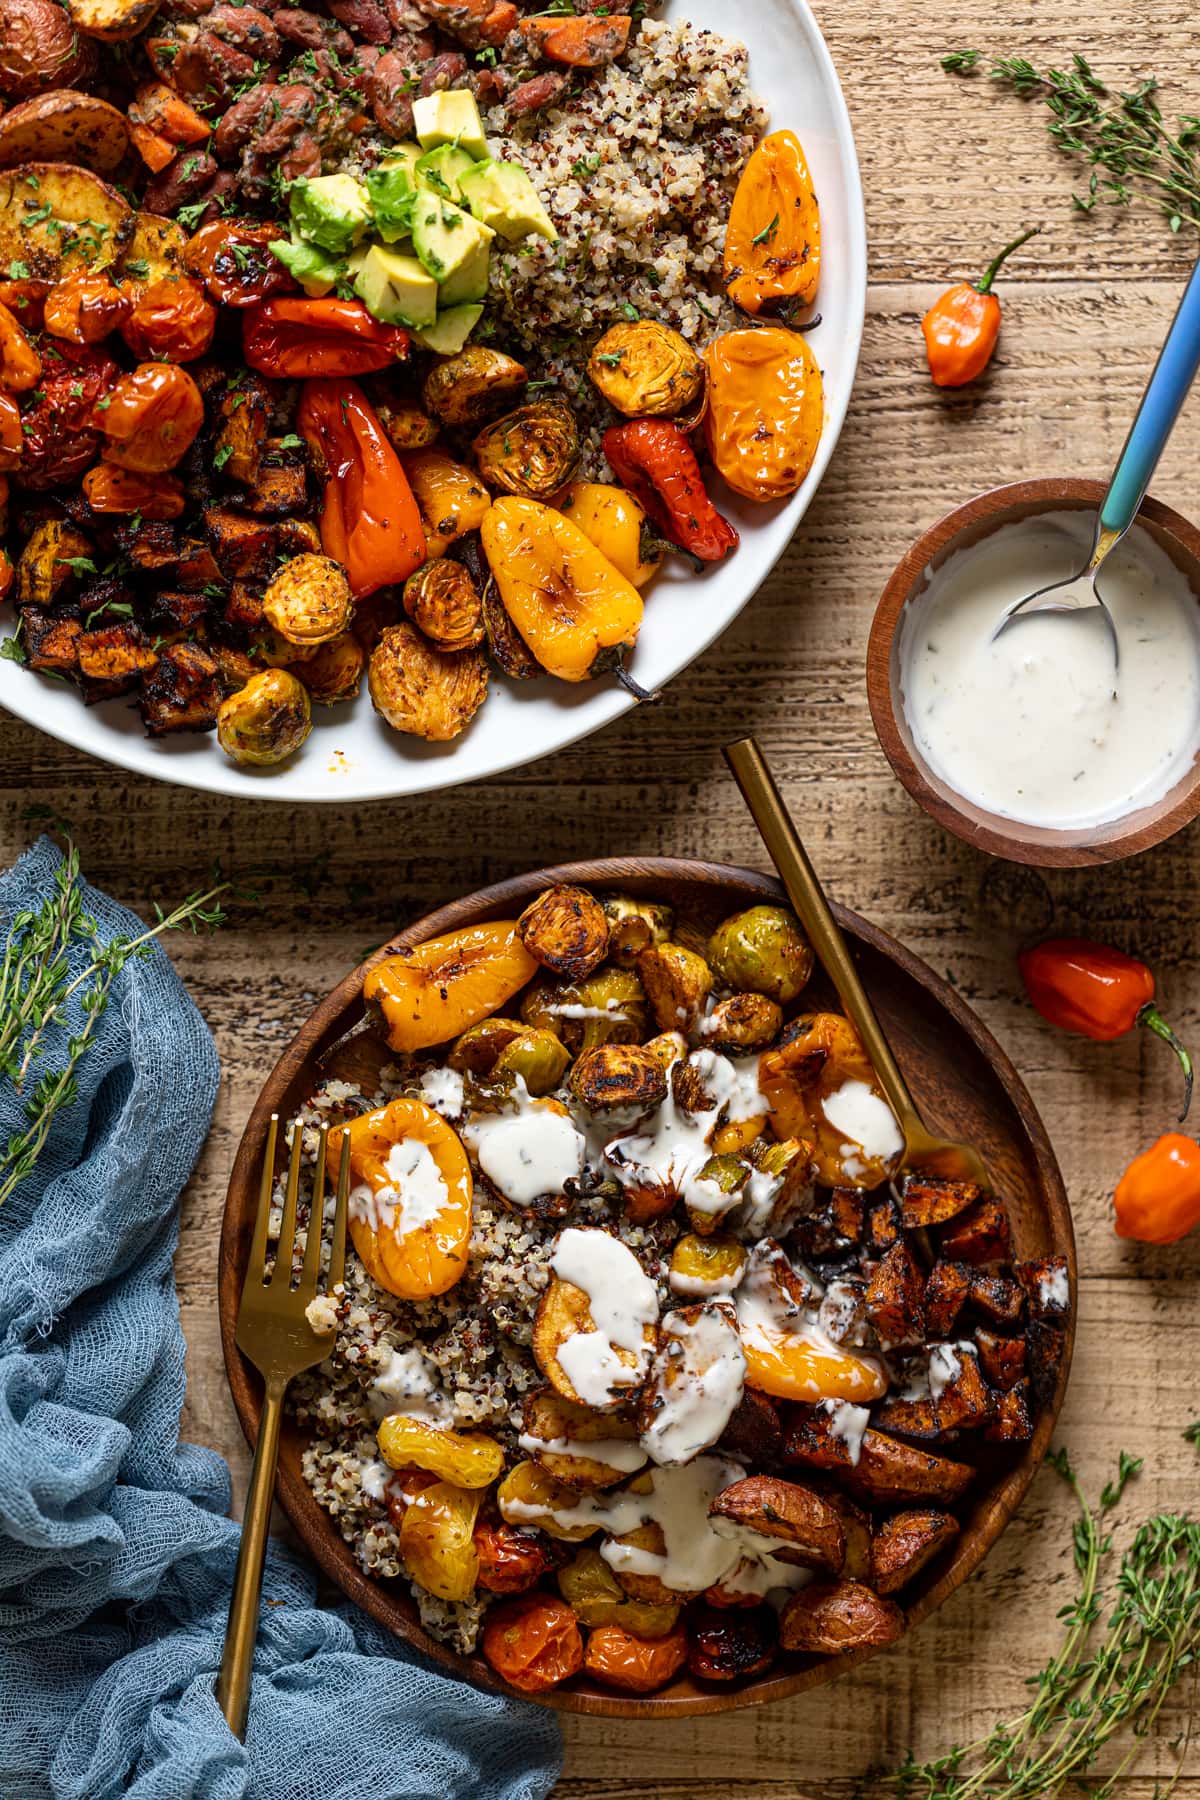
(445,237)
(450,330)
(396,288)
(449,117)
(408,153)
(439,170)
(471,281)
(501,195)
(330,210)
(317,272)
(393,194)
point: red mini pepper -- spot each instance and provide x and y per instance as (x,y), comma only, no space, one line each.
(961,327)
(296,339)
(1158,1197)
(1100,992)
(653,459)
(370,522)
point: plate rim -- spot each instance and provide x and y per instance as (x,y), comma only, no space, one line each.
(329,1022)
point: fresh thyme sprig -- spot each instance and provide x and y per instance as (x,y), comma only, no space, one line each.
(1134,158)
(1111,1671)
(39,993)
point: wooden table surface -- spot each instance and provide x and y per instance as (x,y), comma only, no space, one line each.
(951,170)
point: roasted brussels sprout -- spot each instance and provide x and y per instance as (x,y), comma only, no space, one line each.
(703,1266)
(408,427)
(421,690)
(538,1057)
(294,536)
(633,925)
(715,1192)
(475,1052)
(265,721)
(471,386)
(566,931)
(309,601)
(618,1075)
(762,949)
(532,452)
(442,600)
(677,983)
(508,648)
(667,1048)
(743,1022)
(608,1008)
(335,670)
(646,369)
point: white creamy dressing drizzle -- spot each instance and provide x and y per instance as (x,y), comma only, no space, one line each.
(529,1151)
(865,1119)
(625,1454)
(767,1314)
(675,1146)
(414,1195)
(1054,1290)
(622,1301)
(373,1479)
(697,1380)
(575,1009)
(705,1287)
(409,1383)
(442,1089)
(1037,725)
(848,1422)
(841,1314)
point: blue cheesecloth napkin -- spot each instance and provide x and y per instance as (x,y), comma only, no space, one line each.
(116,1555)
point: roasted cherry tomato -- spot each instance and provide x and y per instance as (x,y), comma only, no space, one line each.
(112,490)
(20,364)
(150,418)
(299,339)
(233,262)
(25,298)
(11,438)
(510,1559)
(639,1665)
(172,320)
(83,308)
(59,438)
(533,1642)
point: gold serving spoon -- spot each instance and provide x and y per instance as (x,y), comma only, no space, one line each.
(922,1150)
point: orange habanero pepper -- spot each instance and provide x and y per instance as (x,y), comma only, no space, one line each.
(962,327)
(1099,992)
(1158,1197)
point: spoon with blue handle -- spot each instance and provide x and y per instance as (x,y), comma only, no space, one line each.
(1165,393)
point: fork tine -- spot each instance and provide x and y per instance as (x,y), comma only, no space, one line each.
(337,1253)
(316,1222)
(282,1277)
(257,1263)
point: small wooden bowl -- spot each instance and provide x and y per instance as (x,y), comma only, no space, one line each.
(960,1077)
(1038,844)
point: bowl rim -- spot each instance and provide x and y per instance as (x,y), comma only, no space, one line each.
(1041,846)
(329,1023)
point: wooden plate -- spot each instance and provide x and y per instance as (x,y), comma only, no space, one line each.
(959,1075)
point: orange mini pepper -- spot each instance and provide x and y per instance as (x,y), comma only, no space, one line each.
(1099,992)
(370,522)
(1158,1197)
(962,327)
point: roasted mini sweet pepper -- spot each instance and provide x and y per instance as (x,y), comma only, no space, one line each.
(295,339)
(1158,1197)
(370,522)
(653,459)
(962,327)
(1097,991)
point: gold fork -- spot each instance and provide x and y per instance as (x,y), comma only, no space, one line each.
(274,1333)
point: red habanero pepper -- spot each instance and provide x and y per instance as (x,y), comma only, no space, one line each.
(1097,991)
(961,327)
(653,459)
(370,522)
(1158,1197)
(299,339)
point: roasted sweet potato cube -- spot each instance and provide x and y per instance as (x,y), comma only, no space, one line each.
(1046,1344)
(1001,1358)
(894,1297)
(116,655)
(998,1297)
(243,414)
(966,1403)
(903,1545)
(888,1473)
(1012,1422)
(848,1209)
(244,606)
(171,610)
(153,544)
(1047,1287)
(51,639)
(182,693)
(980,1235)
(830,1618)
(910,1418)
(925,1201)
(197,567)
(753,1433)
(883,1223)
(235,666)
(808,1529)
(280,488)
(833,1227)
(946,1291)
(808,1440)
(244,546)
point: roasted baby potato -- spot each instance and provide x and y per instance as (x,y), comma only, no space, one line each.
(468,1459)
(725,1645)
(622,1075)
(887,1473)
(471,386)
(56,218)
(538,1057)
(450,497)
(40,49)
(645,369)
(832,1617)
(532,452)
(437,1540)
(677,983)
(266,721)
(309,601)
(640,1584)
(742,1023)
(762,949)
(111,20)
(556,1434)
(421,690)
(64,126)
(566,931)
(529,1496)
(694,1383)
(442,601)
(808,1529)
(334,671)
(904,1544)
(563,1313)
(634,925)
(408,427)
